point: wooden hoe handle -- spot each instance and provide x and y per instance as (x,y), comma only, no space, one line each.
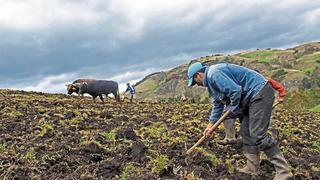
(275,104)
(214,127)
(209,132)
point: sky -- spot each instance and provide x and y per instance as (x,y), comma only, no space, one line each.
(46,44)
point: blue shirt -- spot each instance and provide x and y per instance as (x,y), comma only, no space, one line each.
(232,84)
(131,89)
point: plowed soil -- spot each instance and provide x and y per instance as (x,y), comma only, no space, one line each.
(54,136)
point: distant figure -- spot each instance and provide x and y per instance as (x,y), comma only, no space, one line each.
(131,90)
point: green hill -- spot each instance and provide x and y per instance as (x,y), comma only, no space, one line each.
(298,69)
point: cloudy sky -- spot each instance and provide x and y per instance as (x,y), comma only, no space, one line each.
(45,44)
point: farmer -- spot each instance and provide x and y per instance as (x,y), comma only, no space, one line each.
(245,92)
(229,122)
(131,90)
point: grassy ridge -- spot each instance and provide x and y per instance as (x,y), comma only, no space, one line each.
(298,69)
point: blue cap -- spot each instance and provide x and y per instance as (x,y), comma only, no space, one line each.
(193,69)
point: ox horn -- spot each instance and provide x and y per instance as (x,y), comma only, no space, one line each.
(77,84)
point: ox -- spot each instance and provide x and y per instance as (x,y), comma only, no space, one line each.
(71,88)
(98,88)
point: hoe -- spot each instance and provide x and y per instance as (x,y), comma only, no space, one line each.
(213,128)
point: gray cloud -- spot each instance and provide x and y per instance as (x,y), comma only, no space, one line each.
(58,41)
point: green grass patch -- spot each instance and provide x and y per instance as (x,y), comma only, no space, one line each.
(264,60)
(45,159)
(130,170)
(3,148)
(161,131)
(76,120)
(159,164)
(211,156)
(110,136)
(30,155)
(316,146)
(231,166)
(308,63)
(11,113)
(256,54)
(263,56)
(315,109)
(148,85)
(192,176)
(45,127)
(86,137)
(303,100)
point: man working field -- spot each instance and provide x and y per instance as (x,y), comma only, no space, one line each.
(245,92)
(131,90)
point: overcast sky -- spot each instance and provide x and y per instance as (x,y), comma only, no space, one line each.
(45,44)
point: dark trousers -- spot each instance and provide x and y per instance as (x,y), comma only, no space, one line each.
(131,97)
(255,122)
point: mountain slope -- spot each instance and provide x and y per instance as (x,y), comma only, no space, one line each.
(298,69)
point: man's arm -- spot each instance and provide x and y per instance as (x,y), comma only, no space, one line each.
(216,111)
(128,89)
(226,86)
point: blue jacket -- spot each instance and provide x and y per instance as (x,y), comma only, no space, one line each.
(130,89)
(232,85)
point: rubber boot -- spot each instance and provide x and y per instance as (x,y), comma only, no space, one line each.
(282,169)
(253,164)
(274,133)
(230,138)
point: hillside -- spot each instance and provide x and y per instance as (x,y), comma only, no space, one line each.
(298,69)
(55,136)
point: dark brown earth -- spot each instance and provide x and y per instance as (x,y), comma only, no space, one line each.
(51,136)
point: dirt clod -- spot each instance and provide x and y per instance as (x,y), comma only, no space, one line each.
(70,115)
(127,133)
(106,115)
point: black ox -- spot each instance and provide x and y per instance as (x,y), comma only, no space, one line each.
(74,87)
(98,88)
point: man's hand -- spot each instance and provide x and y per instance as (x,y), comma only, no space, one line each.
(280,99)
(206,131)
